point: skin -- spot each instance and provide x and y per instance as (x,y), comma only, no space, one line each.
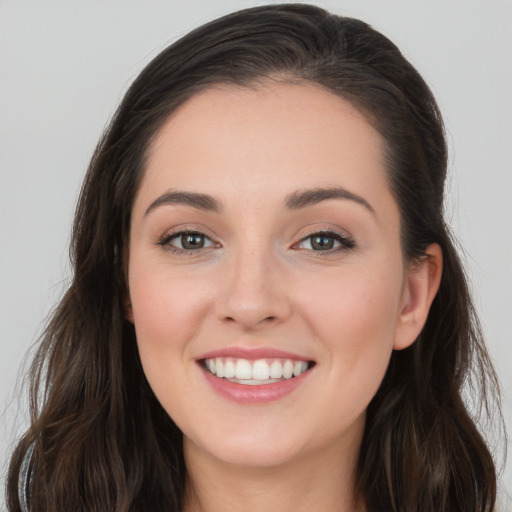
(259,283)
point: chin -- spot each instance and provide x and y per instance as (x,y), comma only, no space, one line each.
(249,449)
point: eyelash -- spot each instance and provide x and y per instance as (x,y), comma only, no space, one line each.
(165,242)
(346,243)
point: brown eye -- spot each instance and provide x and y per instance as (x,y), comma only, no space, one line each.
(326,242)
(192,241)
(186,241)
(322,242)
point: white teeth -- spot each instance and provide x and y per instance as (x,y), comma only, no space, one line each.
(287,370)
(229,369)
(243,369)
(261,371)
(253,382)
(276,370)
(219,367)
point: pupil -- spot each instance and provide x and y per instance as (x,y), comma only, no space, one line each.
(192,241)
(322,243)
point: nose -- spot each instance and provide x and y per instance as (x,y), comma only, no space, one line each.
(254,291)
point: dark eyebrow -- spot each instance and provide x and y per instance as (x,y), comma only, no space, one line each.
(199,201)
(297,200)
(310,197)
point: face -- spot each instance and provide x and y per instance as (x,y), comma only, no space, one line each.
(266,278)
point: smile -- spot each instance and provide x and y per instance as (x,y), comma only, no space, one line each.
(255,372)
(254,376)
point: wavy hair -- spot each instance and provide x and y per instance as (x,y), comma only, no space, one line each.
(98,438)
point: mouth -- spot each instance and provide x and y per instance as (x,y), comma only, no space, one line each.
(257,372)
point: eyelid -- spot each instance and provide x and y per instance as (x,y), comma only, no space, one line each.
(346,241)
(164,240)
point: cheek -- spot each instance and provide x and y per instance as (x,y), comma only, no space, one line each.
(354,315)
(166,314)
(356,302)
(162,303)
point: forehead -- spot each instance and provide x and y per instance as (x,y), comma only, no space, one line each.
(269,139)
(266,106)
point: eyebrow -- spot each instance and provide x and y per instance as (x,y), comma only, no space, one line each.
(296,200)
(310,197)
(199,201)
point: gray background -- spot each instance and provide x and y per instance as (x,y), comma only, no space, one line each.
(64,66)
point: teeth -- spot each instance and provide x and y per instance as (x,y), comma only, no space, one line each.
(243,369)
(276,370)
(287,370)
(261,371)
(253,382)
(229,369)
(219,367)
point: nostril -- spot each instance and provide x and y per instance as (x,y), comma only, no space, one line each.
(267,319)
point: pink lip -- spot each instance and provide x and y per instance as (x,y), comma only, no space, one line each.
(264,393)
(252,354)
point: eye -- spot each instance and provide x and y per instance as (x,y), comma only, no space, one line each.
(326,241)
(186,241)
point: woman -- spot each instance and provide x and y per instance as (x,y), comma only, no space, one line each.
(267,309)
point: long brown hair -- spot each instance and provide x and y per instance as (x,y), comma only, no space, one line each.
(99,440)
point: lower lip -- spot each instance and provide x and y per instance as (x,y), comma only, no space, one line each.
(256,394)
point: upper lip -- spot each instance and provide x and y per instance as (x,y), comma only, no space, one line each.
(253,354)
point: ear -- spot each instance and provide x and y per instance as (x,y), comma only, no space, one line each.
(421,284)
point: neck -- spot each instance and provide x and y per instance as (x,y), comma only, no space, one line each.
(320,481)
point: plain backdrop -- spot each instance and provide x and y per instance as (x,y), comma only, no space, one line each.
(64,66)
